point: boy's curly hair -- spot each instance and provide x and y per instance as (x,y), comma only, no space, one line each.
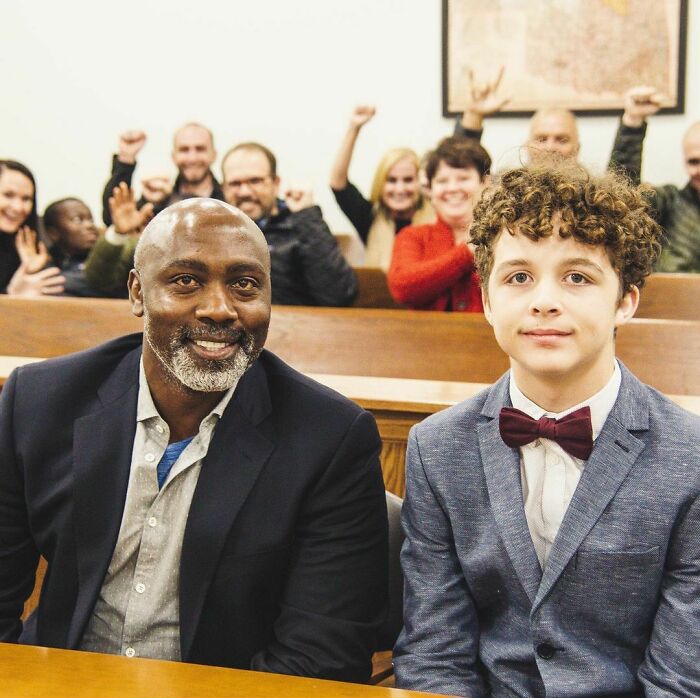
(596,210)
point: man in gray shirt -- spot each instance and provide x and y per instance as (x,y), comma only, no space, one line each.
(195,498)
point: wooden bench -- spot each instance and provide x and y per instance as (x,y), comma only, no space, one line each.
(671,297)
(359,341)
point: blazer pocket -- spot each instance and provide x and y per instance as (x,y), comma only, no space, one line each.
(637,556)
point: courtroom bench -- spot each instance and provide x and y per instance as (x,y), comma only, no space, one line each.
(359,341)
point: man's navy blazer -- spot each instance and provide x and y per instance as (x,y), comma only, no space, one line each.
(616,610)
(284,556)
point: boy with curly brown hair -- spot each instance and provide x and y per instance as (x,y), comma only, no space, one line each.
(553,521)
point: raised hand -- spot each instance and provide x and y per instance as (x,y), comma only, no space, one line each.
(47,282)
(298,199)
(32,252)
(484,98)
(130,144)
(157,189)
(640,102)
(361,114)
(126,217)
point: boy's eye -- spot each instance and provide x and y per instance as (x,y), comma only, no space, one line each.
(520,278)
(577,278)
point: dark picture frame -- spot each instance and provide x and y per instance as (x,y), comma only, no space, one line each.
(455,68)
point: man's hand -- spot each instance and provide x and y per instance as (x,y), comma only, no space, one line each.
(157,189)
(298,199)
(47,282)
(640,102)
(361,114)
(484,100)
(130,144)
(32,252)
(128,219)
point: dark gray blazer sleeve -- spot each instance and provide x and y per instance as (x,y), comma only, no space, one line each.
(18,554)
(438,648)
(671,665)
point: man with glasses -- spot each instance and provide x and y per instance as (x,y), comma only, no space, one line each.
(307,265)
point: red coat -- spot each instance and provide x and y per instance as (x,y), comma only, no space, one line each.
(430,272)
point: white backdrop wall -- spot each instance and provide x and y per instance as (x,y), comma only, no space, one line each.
(77,72)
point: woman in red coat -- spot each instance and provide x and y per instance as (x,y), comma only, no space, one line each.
(432,267)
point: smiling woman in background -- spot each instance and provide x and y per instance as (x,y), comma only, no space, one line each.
(22,258)
(395,200)
(432,267)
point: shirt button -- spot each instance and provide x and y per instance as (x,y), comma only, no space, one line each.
(461,305)
(130,652)
(545,650)
(153,522)
(159,429)
(150,457)
(140,588)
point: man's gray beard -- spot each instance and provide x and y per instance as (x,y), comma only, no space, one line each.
(218,376)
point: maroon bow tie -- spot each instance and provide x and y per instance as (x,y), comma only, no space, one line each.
(574,432)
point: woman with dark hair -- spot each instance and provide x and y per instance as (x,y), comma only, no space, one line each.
(22,257)
(432,267)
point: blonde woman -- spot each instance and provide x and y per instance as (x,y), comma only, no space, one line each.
(395,200)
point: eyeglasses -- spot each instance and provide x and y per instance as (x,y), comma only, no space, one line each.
(252,182)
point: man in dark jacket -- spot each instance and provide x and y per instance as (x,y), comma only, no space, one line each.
(676,210)
(193,155)
(195,498)
(307,265)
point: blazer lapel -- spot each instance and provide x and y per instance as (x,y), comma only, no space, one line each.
(614,453)
(236,456)
(502,470)
(102,446)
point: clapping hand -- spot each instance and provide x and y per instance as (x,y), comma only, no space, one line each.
(32,252)
(127,218)
(157,189)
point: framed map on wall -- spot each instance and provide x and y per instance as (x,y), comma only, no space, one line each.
(579,54)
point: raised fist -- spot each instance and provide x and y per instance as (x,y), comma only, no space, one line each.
(298,199)
(130,144)
(361,114)
(157,189)
(640,102)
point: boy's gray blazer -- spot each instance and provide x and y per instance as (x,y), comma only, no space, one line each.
(616,610)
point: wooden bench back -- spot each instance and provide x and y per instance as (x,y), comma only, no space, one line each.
(670,297)
(358,341)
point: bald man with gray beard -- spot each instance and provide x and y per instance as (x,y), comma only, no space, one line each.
(195,498)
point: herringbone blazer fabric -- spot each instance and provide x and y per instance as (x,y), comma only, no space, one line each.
(616,610)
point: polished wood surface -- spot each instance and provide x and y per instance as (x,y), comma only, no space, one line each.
(359,341)
(670,297)
(396,403)
(37,672)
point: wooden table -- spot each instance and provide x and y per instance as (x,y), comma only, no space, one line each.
(37,672)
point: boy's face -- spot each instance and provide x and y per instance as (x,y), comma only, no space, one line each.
(554,305)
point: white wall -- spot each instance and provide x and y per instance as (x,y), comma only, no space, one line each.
(75,73)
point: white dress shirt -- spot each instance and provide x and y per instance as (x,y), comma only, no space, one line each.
(137,613)
(548,473)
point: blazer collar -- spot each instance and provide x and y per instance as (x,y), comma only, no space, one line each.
(501,466)
(237,454)
(102,445)
(614,453)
